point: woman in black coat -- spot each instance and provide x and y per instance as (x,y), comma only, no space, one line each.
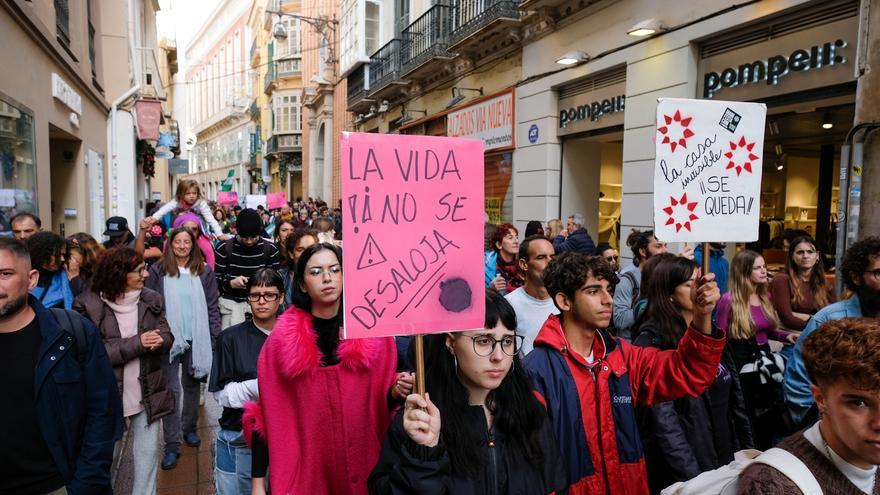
(496,438)
(686,437)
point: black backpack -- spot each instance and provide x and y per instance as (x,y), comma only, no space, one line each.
(71,323)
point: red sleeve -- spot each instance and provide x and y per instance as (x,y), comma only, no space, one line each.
(660,376)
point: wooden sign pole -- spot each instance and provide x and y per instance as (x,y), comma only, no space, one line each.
(705,267)
(420,364)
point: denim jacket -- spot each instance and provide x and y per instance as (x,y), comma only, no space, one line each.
(796,385)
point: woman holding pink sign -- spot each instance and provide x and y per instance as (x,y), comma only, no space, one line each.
(325,403)
(480,429)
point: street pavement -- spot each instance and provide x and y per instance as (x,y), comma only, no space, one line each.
(194,474)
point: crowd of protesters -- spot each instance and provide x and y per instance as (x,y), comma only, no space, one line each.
(587,377)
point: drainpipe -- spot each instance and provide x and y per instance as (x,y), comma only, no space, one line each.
(133,40)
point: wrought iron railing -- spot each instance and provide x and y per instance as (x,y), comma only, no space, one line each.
(427,37)
(469,16)
(271,75)
(357,89)
(272,145)
(385,65)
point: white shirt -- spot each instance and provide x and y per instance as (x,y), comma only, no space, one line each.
(531,314)
(862,478)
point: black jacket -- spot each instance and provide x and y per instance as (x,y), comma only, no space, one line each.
(686,437)
(405,467)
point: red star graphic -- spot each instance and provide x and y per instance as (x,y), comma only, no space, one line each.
(677,139)
(744,149)
(685,208)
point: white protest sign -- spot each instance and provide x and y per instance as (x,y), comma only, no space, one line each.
(707,173)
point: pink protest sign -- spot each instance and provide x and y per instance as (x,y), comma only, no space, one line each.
(276,200)
(413,230)
(227,198)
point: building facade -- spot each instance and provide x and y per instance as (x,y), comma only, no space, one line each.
(67,130)
(219,87)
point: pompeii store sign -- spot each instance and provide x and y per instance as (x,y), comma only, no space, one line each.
(591,110)
(786,64)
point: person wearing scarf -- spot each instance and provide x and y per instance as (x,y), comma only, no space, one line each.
(189,288)
(131,320)
(191,221)
(48,252)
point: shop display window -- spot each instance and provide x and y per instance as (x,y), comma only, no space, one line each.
(18,179)
(498,193)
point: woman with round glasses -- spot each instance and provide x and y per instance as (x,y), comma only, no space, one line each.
(189,289)
(479,429)
(325,403)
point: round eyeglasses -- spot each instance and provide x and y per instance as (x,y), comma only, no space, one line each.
(484,345)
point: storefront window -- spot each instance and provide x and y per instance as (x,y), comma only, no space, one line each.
(18,179)
(498,193)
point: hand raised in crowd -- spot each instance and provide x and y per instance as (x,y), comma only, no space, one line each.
(403,385)
(704,295)
(498,283)
(421,420)
(146,223)
(151,340)
(687,252)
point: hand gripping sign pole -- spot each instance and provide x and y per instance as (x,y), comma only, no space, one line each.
(707,173)
(413,230)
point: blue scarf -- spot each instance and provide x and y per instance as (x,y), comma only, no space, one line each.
(180,291)
(58,291)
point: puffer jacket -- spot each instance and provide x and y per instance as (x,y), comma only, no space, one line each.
(592,407)
(405,467)
(688,436)
(157,399)
(578,241)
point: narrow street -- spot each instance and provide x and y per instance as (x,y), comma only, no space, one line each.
(194,474)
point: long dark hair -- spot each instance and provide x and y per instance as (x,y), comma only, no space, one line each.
(195,264)
(518,414)
(661,311)
(301,298)
(818,285)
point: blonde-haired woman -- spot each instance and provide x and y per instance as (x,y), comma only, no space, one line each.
(747,315)
(554,228)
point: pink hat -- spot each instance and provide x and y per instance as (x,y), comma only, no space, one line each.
(186,217)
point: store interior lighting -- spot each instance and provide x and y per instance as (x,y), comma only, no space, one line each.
(646,28)
(573,57)
(826,121)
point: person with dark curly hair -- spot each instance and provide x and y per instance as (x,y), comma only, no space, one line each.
(842,450)
(48,252)
(591,381)
(861,275)
(501,271)
(131,320)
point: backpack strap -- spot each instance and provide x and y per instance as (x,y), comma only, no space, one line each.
(793,468)
(73,326)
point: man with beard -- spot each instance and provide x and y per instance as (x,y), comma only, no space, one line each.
(63,411)
(861,274)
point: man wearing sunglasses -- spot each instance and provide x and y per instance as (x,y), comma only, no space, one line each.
(234,378)
(861,275)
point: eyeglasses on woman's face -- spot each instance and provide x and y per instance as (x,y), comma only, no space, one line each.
(266,296)
(484,345)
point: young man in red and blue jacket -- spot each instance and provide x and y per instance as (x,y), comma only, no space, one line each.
(591,381)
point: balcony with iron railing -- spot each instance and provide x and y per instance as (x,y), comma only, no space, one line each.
(255,53)
(254,109)
(270,78)
(473,21)
(425,40)
(358,101)
(385,69)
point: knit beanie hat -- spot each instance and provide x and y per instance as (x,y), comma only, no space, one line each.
(186,217)
(248,223)
(534,228)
